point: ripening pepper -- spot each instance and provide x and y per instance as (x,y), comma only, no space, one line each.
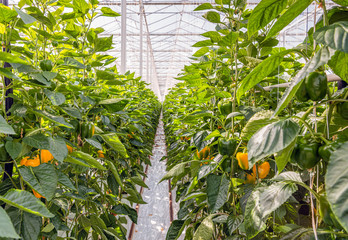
(46,156)
(242,159)
(305,153)
(227,146)
(316,86)
(204,153)
(262,170)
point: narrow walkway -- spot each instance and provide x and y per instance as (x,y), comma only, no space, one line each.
(154,217)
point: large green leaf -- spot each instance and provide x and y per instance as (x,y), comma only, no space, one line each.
(339,64)
(283,157)
(114,142)
(6,227)
(27,202)
(60,121)
(175,230)
(205,230)
(13,149)
(27,19)
(177,170)
(114,104)
(217,191)
(56,98)
(103,44)
(265,200)
(57,148)
(204,6)
(6,14)
(108,12)
(336,180)
(42,178)
(65,180)
(271,139)
(27,225)
(335,36)
(291,13)
(212,16)
(257,121)
(39,141)
(10,58)
(264,12)
(88,158)
(265,68)
(5,127)
(320,58)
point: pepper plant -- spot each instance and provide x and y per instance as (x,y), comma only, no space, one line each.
(276,163)
(78,134)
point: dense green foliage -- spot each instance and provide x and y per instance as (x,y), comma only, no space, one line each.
(97,125)
(286,177)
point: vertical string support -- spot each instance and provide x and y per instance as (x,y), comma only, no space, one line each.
(123,36)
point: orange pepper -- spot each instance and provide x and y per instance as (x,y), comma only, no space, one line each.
(242,159)
(24,161)
(46,156)
(262,169)
(70,149)
(250,178)
(101,154)
(38,195)
(33,162)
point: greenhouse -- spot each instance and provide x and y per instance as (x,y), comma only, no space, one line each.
(174,119)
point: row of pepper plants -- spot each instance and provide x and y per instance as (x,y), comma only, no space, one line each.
(78,135)
(251,162)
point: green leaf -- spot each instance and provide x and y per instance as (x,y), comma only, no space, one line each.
(6,227)
(57,148)
(201,52)
(177,170)
(265,200)
(257,121)
(139,181)
(204,43)
(205,231)
(88,158)
(175,230)
(264,12)
(65,181)
(42,178)
(6,14)
(27,19)
(27,225)
(73,63)
(124,209)
(80,6)
(94,143)
(320,58)
(336,180)
(5,127)
(114,142)
(27,202)
(10,58)
(283,157)
(134,196)
(114,104)
(212,16)
(339,64)
(108,12)
(198,139)
(114,171)
(334,36)
(103,44)
(60,121)
(72,112)
(56,98)
(271,139)
(216,133)
(213,35)
(265,68)
(204,6)
(13,148)
(217,191)
(8,73)
(39,141)
(233,222)
(291,13)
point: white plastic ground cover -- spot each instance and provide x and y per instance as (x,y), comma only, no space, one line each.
(153,217)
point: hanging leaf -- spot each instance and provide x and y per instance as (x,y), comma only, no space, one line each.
(320,58)
(6,227)
(204,6)
(114,142)
(5,127)
(13,149)
(257,121)
(212,16)
(88,158)
(108,12)
(339,64)
(60,121)
(271,139)
(65,180)
(39,141)
(176,171)
(334,36)
(57,148)
(175,230)
(56,98)
(205,230)
(336,180)
(217,191)
(265,68)
(27,19)
(291,13)
(264,12)
(27,202)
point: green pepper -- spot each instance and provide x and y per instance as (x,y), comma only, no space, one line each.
(227,146)
(302,94)
(305,153)
(316,86)
(225,107)
(342,109)
(46,65)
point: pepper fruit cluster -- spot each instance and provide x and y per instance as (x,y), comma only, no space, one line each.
(314,88)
